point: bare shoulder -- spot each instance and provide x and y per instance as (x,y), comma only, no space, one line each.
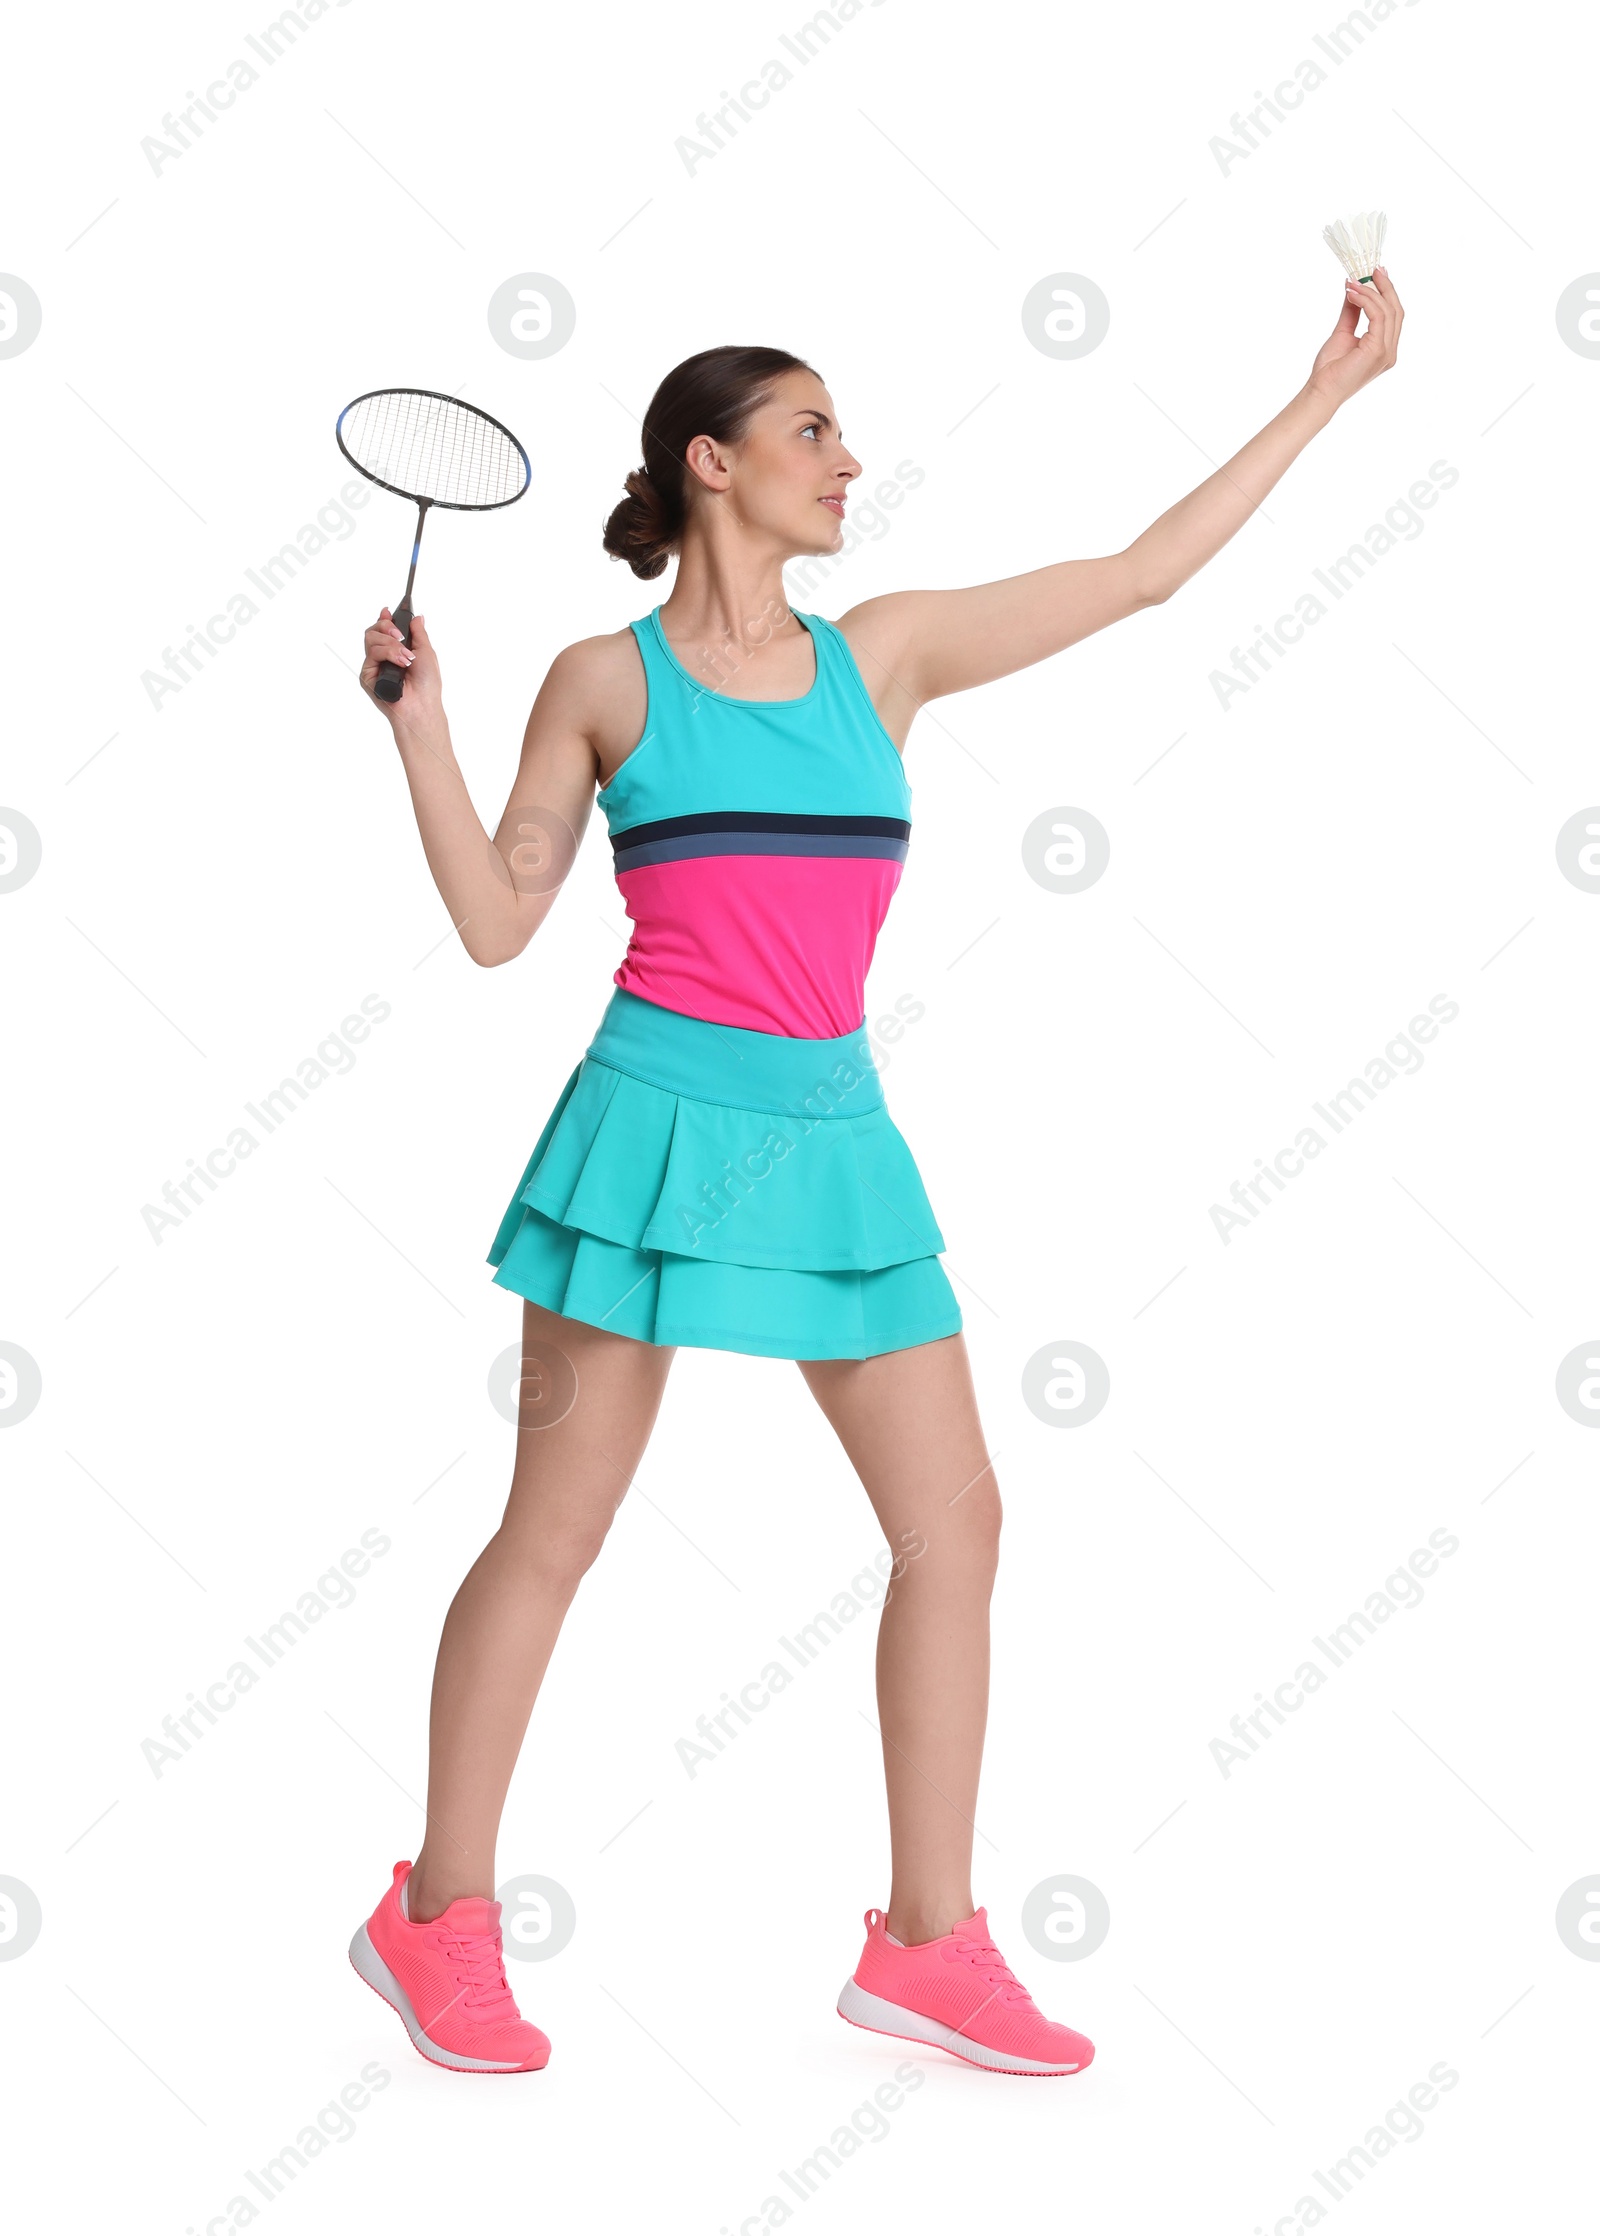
(880,628)
(599,672)
(598,686)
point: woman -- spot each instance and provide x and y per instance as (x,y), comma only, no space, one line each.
(720,1169)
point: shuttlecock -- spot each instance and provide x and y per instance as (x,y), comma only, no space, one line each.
(1358,242)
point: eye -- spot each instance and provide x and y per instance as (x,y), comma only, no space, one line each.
(813,429)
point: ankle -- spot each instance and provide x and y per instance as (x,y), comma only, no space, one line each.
(914,1922)
(426,1900)
(420,1907)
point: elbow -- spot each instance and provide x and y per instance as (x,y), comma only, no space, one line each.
(501,935)
(489,950)
(489,957)
(1144,588)
(483,950)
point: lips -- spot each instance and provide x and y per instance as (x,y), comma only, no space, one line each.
(835,505)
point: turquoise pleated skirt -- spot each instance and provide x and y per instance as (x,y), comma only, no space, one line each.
(739,1191)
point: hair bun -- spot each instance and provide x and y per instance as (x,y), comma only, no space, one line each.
(638,529)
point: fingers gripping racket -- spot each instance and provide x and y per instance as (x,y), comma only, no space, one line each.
(436,451)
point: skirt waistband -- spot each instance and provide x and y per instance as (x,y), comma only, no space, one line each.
(691,1056)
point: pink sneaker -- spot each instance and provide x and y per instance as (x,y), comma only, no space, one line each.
(959,1994)
(447,1980)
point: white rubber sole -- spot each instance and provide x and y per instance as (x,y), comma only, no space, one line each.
(879,2017)
(382,1981)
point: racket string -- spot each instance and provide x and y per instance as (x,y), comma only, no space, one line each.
(432,447)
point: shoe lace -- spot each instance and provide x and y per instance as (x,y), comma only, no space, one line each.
(991,1967)
(480,1971)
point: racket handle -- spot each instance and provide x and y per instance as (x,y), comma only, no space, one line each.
(391,677)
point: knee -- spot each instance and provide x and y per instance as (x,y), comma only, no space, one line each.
(557,1555)
(981,1528)
(960,1544)
(975,1515)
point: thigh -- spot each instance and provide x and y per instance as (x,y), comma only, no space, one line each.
(908,1421)
(587,1402)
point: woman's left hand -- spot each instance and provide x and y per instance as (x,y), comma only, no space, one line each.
(1347,361)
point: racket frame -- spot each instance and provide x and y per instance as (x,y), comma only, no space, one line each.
(391,676)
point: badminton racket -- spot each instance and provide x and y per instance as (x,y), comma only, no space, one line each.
(436,451)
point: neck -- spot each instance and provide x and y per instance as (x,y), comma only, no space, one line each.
(727,606)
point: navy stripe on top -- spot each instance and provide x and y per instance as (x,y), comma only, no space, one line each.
(676,838)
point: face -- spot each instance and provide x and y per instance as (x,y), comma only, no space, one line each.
(789,477)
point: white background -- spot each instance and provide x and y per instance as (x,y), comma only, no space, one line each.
(308,1355)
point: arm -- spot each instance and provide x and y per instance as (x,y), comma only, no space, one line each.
(933,642)
(498,893)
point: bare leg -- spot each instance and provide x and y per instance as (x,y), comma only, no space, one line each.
(569,1480)
(909,1422)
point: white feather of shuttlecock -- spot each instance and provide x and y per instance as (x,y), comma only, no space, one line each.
(1358,242)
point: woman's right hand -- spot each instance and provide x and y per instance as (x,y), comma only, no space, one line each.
(421,702)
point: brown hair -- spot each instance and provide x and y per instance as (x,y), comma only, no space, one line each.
(716,393)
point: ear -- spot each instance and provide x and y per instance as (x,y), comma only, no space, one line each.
(709,463)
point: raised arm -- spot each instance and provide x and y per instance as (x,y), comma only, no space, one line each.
(924,644)
(498,893)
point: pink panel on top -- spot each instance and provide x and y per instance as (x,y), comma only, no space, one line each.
(776,943)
